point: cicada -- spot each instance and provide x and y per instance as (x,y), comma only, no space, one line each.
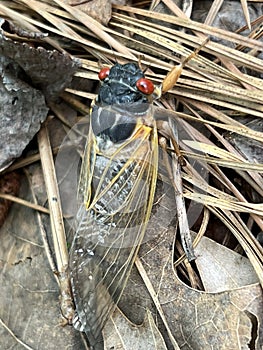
(115,196)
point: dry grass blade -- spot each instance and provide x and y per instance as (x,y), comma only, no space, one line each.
(57,226)
(174,8)
(95,27)
(59,237)
(43,233)
(225,163)
(195,26)
(213,11)
(214,151)
(24,202)
(26,22)
(246,12)
(169,39)
(256,209)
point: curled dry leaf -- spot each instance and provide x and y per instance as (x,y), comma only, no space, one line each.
(25,71)
(97,9)
(22,108)
(49,71)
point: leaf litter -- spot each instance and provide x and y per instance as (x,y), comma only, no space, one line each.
(215,97)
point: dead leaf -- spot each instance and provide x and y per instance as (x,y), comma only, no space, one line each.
(49,71)
(22,109)
(121,334)
(221,268)
(29,303)
(199,320)
(22,104)
(97,9)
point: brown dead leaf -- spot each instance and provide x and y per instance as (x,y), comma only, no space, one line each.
(97,9)
(199,320)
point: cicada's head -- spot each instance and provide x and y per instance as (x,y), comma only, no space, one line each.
(124,84)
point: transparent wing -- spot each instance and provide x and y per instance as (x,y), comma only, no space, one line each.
(117,190)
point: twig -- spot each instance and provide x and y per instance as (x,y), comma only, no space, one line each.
(176,180)
(24,202)
(43,232)
(57,226)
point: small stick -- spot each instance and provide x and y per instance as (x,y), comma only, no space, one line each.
(57,226)
(175,177)
(24,202)
(42,230)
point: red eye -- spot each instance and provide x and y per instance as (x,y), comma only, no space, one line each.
(104,72)
(145,86)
